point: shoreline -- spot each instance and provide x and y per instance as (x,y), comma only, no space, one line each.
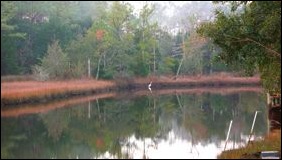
(33,108)
(22,92)
(270,142)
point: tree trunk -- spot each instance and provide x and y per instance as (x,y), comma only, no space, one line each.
(143,48)
(183,56)
(179,67)
(89,110)
(89,72)
(98,69)
(104,60)
(154,59)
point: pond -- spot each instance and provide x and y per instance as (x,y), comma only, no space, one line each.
(171,125)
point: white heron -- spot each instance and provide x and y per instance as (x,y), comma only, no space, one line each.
(149,86)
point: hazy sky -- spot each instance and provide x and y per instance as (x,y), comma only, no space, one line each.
(173,14)
(169,5)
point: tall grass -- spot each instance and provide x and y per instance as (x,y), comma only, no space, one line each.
(199,81)
(21,91)
(28,91)
(11,78)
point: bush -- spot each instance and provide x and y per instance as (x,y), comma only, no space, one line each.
(54,65)
(40,73)
(78,70)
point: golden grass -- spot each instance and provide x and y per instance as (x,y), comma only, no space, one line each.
(19,91)
(214,78)
(25,91)
(10,78)
(271,142)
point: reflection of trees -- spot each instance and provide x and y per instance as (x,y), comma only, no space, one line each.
(192,117)
(250,103)
(22,138)
(123,118)
(84,132)
(76,134)
(56,122)
(221,107)
(10,141)
(207,116)
(167,109)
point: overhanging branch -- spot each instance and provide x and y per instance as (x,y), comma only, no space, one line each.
(273,52)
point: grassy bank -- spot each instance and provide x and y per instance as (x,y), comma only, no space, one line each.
(217,80)
(11,78)
(32,91)
(17,92)
(271,142)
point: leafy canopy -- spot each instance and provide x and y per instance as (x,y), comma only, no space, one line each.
(249,36)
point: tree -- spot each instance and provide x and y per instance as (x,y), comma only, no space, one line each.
(54,64)
(8,11)
(41,22)
(9,36)
(120,41)
(250,37)
(146,39)
(165,63)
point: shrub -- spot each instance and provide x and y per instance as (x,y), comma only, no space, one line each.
(54,65)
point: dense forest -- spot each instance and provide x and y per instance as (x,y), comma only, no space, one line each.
(60,40)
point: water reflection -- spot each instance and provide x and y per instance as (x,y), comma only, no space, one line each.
(150,126)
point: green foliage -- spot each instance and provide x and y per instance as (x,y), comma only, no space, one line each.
(125,39)
(8,11)
(41,22)
(78,70)
(9,36)
(55,64)
(168,66)
(107,73)
(250,38)
(120,43)
(8,57)
(140,68)
(193,65)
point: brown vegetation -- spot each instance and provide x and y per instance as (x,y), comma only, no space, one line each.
(271,142)
(216,80)
(12,78)
(32,91)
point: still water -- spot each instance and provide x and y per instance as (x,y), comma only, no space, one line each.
(174,125)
